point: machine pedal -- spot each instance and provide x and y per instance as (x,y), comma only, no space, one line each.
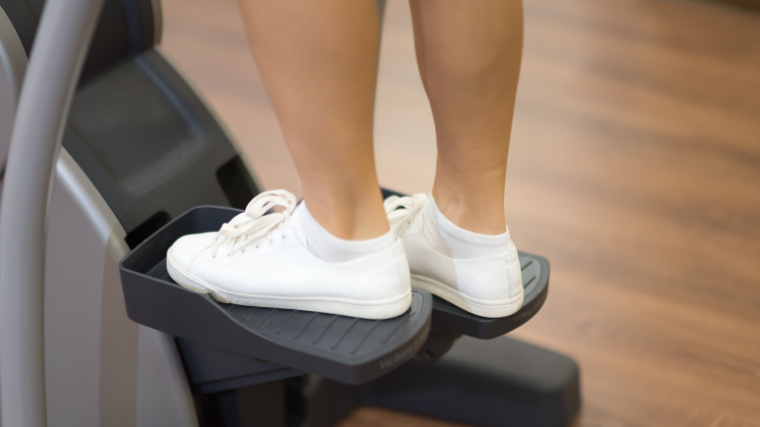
(345,349)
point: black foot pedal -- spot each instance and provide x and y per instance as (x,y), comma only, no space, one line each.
(345,349)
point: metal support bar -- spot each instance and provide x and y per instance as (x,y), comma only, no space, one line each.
(62,40)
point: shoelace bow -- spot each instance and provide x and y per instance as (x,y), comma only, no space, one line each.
(253,225)
(410,204)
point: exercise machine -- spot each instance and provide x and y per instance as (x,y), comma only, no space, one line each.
(106,156)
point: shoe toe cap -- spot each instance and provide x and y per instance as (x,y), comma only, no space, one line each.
(187,248)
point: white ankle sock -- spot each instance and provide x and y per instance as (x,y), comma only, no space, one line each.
(453,240)
(324,245)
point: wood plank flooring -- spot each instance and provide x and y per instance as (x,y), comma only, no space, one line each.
(635,168)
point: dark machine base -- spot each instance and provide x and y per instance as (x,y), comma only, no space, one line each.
(503,382)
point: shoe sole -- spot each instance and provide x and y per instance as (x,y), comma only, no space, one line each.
(478,307)
(366,309)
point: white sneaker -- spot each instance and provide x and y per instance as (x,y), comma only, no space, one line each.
(261,260)
(486,282)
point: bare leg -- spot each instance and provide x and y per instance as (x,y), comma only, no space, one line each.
(318,61)
(469,55)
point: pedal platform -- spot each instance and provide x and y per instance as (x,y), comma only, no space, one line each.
(344,349)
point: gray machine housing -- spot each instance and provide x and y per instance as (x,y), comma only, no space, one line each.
(136,133)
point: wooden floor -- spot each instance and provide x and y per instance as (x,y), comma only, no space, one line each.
(635,168)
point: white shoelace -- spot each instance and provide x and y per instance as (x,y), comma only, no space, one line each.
(411,206)
(253,225)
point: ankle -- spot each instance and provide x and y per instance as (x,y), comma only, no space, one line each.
(459,243)
(472,212)
(350,218)
(325,245)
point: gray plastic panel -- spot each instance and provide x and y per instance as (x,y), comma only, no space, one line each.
(12,68)
(346,349)
(139,380)
(125,28)
(150,146)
